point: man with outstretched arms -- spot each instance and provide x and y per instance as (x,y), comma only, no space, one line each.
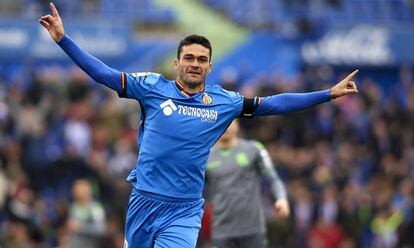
(180,122)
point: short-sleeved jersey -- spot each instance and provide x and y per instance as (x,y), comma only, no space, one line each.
(176,132)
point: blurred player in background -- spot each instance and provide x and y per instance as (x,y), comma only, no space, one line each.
(233,174)
(180,121)
(86,222)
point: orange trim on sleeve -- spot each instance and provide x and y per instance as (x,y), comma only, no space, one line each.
(259,101)
(123,80)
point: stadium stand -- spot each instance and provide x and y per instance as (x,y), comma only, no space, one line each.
(269,12)
(140,11)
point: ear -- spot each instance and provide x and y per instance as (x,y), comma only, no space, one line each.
(210,67)
(176,64)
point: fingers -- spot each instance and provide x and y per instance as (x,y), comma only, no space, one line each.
(353,91)
(350,76)
(282,209)
(44,24)
(282,213)
(54,10)
(351,87)
(47,18)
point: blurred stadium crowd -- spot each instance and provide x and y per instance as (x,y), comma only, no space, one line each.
(348,165)
(135,10)
(67,145)
(58,130)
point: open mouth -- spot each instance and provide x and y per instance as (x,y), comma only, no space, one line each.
(194,73)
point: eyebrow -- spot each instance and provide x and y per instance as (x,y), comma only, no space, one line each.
(192,55)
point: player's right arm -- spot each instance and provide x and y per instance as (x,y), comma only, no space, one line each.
(92,66)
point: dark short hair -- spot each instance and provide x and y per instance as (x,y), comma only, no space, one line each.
(194,39)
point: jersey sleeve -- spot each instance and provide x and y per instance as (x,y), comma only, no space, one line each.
(265,166)
(137,85)
(237,101)
(92,66)
(290,102)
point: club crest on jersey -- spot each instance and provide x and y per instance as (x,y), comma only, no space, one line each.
(206,99)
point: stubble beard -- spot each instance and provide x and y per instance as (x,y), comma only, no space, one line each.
(194,85)
(191,83)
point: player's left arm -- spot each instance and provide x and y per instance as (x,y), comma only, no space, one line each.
(291,102)
(277,186)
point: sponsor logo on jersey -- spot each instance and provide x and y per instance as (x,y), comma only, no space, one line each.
(168,107)
(208,115)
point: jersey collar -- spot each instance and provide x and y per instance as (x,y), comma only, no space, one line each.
(184,92)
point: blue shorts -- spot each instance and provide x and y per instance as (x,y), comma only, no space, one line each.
(155,221)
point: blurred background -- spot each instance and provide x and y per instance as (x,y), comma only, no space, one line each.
(348,165)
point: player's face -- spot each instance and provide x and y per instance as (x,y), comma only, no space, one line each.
(193,65)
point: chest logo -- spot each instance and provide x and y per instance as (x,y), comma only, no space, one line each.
(206,99)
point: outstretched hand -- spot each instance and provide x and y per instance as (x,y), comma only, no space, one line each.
(345,87)
(53,24)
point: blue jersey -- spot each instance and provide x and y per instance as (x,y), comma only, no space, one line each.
(177,132)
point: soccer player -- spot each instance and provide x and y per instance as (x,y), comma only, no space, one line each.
(180,121)
(233,174)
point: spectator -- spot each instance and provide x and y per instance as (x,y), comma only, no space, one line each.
(86,222)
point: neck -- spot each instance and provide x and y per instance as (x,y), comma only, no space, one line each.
(189,88)
(228,144)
